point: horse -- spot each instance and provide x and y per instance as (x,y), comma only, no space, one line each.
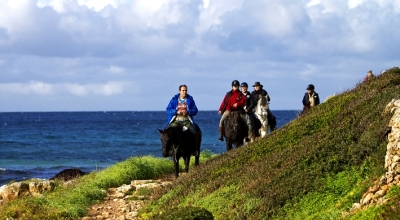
(262,114)
(235,130)
(177,143)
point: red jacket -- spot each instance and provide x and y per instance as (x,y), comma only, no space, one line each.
(232,97)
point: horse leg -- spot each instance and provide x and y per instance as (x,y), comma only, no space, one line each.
(264,131)
(197,157)
(176,163)
(187,162)
(228,146)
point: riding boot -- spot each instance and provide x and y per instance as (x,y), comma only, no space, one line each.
(221,133)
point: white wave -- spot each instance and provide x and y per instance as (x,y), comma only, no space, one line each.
(2,169)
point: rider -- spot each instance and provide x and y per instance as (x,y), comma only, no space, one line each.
(310,99)
(249,108)
(258,90)
(234,100)
(181,110)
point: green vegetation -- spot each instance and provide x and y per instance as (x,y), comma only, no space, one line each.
(316,167)
(73,201)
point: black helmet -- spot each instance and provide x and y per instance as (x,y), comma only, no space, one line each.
(310,87)
(244,84)
(235,83)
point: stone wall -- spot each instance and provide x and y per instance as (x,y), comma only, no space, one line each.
(376,193)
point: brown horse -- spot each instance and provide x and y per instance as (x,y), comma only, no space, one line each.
(235,130)
(177,143)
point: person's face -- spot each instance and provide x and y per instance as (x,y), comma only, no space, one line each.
(244,89)
(235,87)
(309,91)
(183,92)
(257,88)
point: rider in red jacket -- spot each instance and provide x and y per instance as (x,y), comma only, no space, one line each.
(234,100)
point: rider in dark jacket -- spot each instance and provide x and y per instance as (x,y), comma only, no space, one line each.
(248,109)
(310,99)
(258,90)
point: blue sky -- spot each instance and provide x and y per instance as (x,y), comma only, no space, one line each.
(103,55)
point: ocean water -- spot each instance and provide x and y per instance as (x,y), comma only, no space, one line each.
(41,144)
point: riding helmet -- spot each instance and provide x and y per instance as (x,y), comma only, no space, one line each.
(244,84)
(310,87)
(235,83)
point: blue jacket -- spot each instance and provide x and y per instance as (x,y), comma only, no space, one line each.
(171,108)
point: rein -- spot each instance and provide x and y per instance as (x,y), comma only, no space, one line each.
(175,149)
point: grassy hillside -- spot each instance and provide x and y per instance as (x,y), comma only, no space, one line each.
(316,167)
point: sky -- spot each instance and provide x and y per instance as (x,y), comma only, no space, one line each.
(132,55)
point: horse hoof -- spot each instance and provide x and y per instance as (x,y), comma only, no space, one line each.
(247,139)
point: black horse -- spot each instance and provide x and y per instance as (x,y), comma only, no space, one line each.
(235,130)
(177,143)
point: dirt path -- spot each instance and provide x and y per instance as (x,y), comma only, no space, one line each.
(125,201)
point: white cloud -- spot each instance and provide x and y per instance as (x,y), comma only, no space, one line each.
(115,69)
(47,89)
(354,3)
(210,17)
(98,5)
(118,49)
(206,3)
(14,15)
(32,87)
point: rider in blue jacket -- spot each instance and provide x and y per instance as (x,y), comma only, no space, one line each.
(181,109)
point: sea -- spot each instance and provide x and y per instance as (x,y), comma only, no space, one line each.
(41,144)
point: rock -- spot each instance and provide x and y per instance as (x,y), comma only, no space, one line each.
(12,191)
(379,194)
(37,188)
(367,199)
(68,174)
(373,189)
(356,206)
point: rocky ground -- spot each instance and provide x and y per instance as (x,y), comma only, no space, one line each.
(125,201)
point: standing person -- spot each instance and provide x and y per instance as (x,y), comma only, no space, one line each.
(234,100)
(310,99)
(258,90)
(248,109)
(181,109)
(369,76)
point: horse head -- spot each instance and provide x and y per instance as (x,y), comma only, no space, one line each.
(170,138)
(262,106)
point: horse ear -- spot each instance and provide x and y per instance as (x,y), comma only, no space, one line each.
(159,130)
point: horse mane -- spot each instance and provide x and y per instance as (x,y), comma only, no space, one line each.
(263,101)
(174,131)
